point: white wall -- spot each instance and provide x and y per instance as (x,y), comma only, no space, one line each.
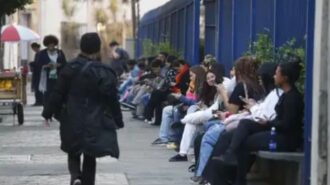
(51,17)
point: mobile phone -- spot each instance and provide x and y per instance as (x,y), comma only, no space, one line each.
(241,97)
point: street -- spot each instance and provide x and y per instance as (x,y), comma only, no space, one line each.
(30,155)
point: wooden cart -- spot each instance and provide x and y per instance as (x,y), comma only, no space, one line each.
(11,96)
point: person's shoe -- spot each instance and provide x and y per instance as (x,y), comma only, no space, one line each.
(128,105)
(178,158)
(76,182)
(123,108)
(172,146)
(149,121)
(196,179)
(159,141)
(228,158)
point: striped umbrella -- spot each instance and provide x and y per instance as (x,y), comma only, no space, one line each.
(15,33)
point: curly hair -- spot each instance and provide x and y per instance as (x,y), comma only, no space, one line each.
(50,39)
(246,72)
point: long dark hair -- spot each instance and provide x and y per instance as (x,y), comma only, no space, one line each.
(266,72)
(208,92)
(200,78)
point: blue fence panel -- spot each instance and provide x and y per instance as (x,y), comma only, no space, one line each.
(181,31)
(174,31)
(263,18)
(177,22)
(189,33)
(290,21)
(168,26)
(210,27)
(225,31)
(241,26)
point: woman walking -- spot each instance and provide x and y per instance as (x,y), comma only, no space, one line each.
(85,102)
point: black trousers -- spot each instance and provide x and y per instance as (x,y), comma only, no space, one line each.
(155,106)
(249,137)
(50,87)
(87,173)
(38,97)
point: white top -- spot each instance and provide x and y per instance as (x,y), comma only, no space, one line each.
(266,109)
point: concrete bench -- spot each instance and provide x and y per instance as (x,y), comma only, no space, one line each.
(280,168)
(282,156)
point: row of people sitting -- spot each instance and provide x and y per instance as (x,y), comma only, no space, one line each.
(223,119)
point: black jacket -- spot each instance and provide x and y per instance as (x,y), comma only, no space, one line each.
(86,104)
(290,113)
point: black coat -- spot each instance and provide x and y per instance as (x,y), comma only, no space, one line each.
(86,104)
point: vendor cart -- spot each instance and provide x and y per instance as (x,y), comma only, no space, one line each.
(11,96)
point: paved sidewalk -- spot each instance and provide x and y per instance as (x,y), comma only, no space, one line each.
(30,155)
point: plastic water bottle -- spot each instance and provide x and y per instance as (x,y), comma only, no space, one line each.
(272,141)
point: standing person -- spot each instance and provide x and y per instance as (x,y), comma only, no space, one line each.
(50,60)
(35,69)
(119,58)
(86,97)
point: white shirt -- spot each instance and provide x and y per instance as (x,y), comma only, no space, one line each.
(266,109)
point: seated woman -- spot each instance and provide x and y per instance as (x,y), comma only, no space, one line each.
(208,97)
(166,133)
(255,135)
(247,86)
(264,107)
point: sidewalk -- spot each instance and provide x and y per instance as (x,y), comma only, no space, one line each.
(30,155)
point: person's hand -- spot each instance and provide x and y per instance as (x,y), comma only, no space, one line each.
(262,120)
(220,115)
(51,65)
(176,95)
(221,90)
(172,84)
(248,102)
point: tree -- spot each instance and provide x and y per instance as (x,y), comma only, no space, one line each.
(9,7)
(114,9)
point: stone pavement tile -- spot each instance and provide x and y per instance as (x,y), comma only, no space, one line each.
(101,179)
(45,159)
(30,138)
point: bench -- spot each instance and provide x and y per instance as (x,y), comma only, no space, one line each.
(282,156)
(280,168)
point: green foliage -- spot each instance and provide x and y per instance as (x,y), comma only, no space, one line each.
(265,51)
(151,49)
(262,49)
(10,6)
(287,52)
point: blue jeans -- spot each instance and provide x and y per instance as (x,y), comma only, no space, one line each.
(125,85)
(166,133)
(213,130)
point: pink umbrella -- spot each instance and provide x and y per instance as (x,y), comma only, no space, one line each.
(15,33)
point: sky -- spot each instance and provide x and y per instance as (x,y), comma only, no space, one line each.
(146,5)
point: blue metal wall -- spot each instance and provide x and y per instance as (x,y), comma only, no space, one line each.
(177,22)
(237,23)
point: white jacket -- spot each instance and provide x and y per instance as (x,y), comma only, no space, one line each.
(264,110)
